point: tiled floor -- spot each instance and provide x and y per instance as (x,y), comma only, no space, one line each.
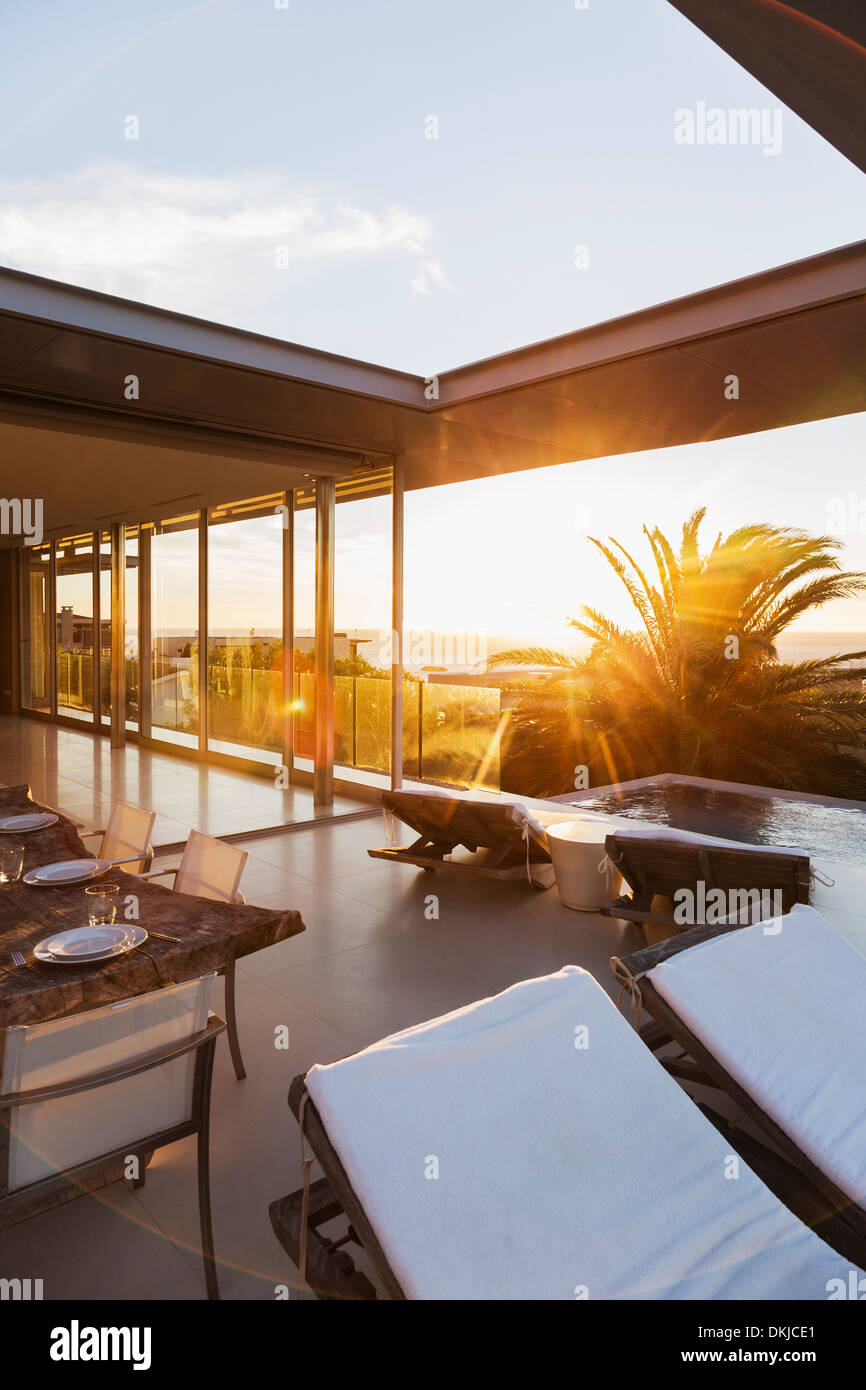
(372,959)
(80,774)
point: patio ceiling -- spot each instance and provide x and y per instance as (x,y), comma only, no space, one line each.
(224,413)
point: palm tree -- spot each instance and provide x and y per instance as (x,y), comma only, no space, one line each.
(698,687)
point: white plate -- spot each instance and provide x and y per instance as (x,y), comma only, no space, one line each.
(21,825)
(67,871)
(83,944)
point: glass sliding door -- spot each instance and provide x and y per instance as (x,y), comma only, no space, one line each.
(36,628)
(77,645)
(174,631)
(362,626)
(245,626)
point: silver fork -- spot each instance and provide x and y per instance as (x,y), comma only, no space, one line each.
(19,958)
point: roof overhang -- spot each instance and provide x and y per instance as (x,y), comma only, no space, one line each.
(222,413)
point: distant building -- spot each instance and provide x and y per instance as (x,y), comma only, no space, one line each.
(345,647)
(75,631)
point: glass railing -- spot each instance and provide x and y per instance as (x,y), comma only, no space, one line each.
(75,684)
(245,707)
(450,732)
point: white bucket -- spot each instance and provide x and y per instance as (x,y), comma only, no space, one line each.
(577,850)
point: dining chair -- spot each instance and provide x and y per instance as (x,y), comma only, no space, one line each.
(210,868)
(126,838)
(93,1090)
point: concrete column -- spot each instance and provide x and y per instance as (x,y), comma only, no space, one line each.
(202,633)
(289,632)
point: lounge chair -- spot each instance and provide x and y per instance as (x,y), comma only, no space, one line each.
(506,840)
(530,1147)
(771,1014)
(658,866)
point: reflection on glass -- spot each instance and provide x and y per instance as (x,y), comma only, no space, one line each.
(245,646)
(35,632)
(174,626)
(362,625)
(75,636)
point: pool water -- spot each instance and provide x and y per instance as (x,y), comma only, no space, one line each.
(837,833)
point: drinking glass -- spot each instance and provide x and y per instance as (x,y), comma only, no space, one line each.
(102,904)
(11,862)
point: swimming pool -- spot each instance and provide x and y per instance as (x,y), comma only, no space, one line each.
(830,832)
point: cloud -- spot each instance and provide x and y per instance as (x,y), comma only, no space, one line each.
(167,238)
(429,277)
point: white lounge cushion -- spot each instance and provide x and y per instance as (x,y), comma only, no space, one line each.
(559,1167)
(781,1005)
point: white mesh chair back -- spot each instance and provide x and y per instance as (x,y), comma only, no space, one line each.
(55,1135)
(128,832)
(210,869)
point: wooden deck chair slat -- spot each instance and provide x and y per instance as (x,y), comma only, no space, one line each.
(663,867)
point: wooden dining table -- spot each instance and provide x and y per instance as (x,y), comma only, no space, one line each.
(210,934)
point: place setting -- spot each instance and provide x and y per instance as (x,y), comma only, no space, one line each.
(101,939)
(27,824)
(66,872)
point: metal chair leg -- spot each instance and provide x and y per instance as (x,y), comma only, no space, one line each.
(204,1207)
(232,1023)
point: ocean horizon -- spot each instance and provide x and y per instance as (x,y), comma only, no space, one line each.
(462,652)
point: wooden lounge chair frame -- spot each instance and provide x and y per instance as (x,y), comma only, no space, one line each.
(804,1188)
(329,1270)
(662,867)
(514,848)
